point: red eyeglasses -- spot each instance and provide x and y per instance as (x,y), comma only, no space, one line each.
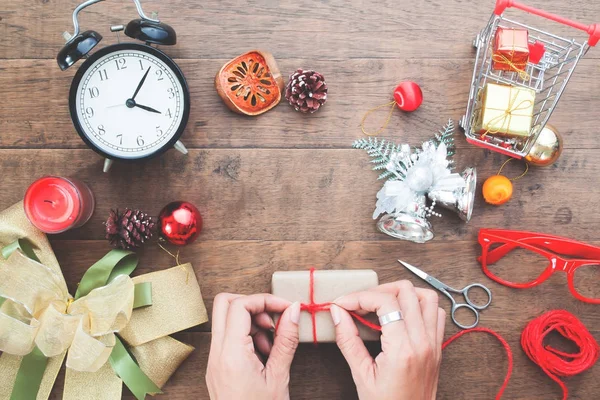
(523,260)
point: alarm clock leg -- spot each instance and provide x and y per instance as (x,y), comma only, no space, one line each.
(180,147)
(107,164)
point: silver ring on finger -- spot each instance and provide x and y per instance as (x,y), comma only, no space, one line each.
(388,318)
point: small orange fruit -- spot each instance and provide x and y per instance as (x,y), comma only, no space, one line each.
(497,190)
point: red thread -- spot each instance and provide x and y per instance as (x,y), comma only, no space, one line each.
(509,354)
(553,362)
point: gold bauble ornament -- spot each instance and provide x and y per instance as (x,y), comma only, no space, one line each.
(546,149)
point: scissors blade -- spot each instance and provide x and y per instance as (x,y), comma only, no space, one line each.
(425,276)
(421,274)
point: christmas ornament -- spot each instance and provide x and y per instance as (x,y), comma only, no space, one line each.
(536,52)
(128,101)
(407,97)
(130,229)
(498,189)
(250,84)
(180,223)
(547,147)
(306,91)
(414,174)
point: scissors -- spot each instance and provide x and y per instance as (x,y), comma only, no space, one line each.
(445,289)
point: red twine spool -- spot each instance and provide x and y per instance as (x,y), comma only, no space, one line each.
(553,362)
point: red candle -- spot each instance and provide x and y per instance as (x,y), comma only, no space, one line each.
(55,204)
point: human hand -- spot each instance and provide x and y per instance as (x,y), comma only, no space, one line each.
(240,343)
(408,366)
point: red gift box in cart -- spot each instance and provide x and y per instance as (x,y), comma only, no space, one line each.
(548,78)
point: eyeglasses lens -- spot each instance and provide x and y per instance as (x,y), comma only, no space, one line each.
(587,281)
(516,264)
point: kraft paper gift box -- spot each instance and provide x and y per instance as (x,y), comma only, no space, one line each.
(511,50)
(505,111)
(328,286)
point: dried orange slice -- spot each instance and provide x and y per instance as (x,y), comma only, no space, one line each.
(250,84)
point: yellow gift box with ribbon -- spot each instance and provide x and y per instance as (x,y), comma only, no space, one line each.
(111,317)
(505,111)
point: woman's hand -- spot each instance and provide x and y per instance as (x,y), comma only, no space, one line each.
(240,343)
(408,366)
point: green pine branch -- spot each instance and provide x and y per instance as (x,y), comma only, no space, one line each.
(446,136)
(380,152)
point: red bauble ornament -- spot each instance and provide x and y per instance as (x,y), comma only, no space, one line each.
(408,96)
(180,223)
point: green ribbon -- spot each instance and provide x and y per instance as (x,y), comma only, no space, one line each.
(126,368)
(105,270)
(20,244)
(115,263)
(142,295)
(29,378)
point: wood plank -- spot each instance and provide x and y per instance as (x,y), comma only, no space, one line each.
(326,30)
(246,267)
(42,120)
(303,194)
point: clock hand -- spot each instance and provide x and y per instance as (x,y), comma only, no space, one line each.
(141,83)
(147,108)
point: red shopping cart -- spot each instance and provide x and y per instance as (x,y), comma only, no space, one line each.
(548,78)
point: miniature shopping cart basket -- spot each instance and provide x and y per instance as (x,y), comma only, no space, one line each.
(548,78)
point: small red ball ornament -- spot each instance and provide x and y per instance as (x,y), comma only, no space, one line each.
(408,96)
(180,223)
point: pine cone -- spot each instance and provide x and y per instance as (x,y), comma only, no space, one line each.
(128,230)
(306,91)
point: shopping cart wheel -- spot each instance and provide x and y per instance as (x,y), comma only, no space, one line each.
(476,41)
(461,122)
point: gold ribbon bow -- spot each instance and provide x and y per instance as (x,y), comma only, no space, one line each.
(39,313)
(42,313)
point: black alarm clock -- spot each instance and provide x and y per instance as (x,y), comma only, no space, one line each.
(128,101)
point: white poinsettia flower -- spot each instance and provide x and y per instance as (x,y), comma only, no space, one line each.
(424,171)
(394,196)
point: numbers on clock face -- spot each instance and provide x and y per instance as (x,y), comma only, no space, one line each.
(119,124)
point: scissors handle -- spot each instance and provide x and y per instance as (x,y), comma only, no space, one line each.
(456,307)
(465,293)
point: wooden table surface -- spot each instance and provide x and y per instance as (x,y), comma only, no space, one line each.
(285,191)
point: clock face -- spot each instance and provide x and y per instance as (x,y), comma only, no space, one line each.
(129,101)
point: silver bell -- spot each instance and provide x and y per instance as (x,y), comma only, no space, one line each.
(408,225)
(461,199)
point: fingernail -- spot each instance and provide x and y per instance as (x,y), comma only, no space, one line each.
(272,324)
(335,314)
(295,313)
